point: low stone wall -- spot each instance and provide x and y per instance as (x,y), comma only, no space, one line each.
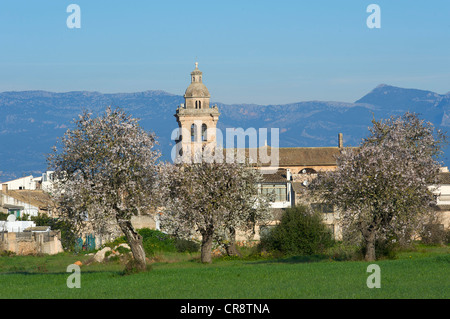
(31,243)
(143,221)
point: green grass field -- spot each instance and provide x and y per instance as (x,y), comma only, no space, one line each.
(421,273)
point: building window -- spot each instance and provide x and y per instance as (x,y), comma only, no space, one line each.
(204,129)
(199,104)
(280,191)
(193,133)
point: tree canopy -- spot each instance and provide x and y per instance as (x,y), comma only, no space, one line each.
(382,188)
(105,168)
(213,200)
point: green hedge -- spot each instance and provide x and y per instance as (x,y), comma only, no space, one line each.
(300,232)
(155,241)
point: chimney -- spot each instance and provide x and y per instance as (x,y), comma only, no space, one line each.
(341,140)
(5,188)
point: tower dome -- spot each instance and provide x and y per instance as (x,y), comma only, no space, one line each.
(196,89)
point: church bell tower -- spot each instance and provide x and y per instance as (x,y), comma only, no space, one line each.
(197,121)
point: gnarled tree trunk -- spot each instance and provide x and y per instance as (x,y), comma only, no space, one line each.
(207,241)
(135,242)
(230,247)
(369,238)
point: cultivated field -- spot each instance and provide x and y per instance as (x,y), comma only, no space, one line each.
(423,272)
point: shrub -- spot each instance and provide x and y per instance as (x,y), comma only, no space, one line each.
(387,248)
(117,241)
(153,241)
(434,234)
(24,217)
(123,250)
(156,241)
(7,253)
(184,245)
(342,251)
(300,232)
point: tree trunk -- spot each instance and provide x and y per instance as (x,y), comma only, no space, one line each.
(207,241)
(369,237)
(231,248)
(135,242)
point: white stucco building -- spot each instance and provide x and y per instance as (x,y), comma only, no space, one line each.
(47,181)
(27,182)
(44,182)
(16,207)
(442,193)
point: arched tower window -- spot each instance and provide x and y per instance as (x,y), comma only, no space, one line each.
(196,104)
(204,135)
(199,104)
(193,133)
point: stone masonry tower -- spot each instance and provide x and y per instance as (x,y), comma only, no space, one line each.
(196,120)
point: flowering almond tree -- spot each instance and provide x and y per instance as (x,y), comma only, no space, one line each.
(212,199)
(381,188)
(104,172)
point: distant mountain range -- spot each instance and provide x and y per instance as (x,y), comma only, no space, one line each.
(31,121)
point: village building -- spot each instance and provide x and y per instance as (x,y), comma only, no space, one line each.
(442,193)
(26,182)
(44,182)
(23,202)
(21,199)
(295,167)
(24,238)
(18,233)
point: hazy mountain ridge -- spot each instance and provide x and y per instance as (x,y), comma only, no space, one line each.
(31,121)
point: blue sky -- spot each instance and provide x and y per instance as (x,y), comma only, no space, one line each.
(264,52)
